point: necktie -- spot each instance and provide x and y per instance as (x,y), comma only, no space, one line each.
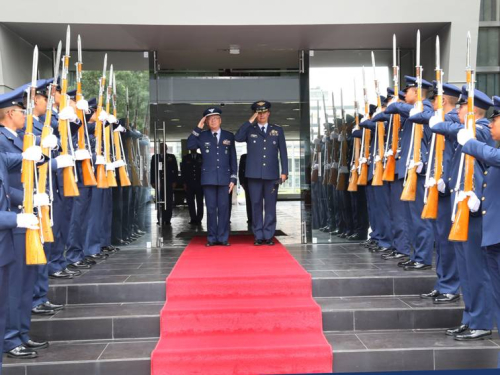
(263,129)
(215,136)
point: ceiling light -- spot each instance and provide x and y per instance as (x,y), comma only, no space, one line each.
(283,125)
(175,119)
(296,109)
(179,126)
(290,118)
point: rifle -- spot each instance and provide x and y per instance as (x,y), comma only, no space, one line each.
(45,170)
(83,144)
(461,215)
(334,154)
(328,145)
(34,247)
(130,147)
(353,179)
(390,160)
(102,182)
(365,141)
(69,180)
(343,171)
(410,185)
(108,143)
(122,165)
(431,196)
(317,156)
(378,150)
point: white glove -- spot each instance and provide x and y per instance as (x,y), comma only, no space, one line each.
(473,202)
(441,186)
(119,163)
(327,166)
(50,141)
(83,154)
(315,167)
(377,159)
(362,160)
(33,153)
(414,111)
(435,120)
(388,153)
(83,105)
(110,167)
(29,221)
(100,160)
(317,141)
(103,116)
(64,161)
(430,183)
(69,114)
(41,199)
(323,140)
(464,135)
(341,138)
(120,129)
(334,134)
(111,119)
(418,165)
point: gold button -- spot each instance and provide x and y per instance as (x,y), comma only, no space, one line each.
(484,212)
(483,198)
(264,140)
(264,164)
(484,185)
(264,155)
(485,173)
(449,179)
(451,190)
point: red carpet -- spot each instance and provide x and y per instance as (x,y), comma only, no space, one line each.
(240,310)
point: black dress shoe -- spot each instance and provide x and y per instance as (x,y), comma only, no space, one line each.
(41,309)
(417,266)
(393,255)
(53,306)
(257,242)
(210,244)
(368,242)
(270,242)
(356,237)
(446,298)
(225,243)
(405,263)
(343,235)
(72,272)
(36,345)
(432,294)
(89,261)
(60,275)
(473,334)
(21,352)
(79,265)
(335,232)
(100,256)
(382,249)
(457,330)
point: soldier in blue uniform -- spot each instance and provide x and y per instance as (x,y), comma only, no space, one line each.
(264,143)
(447,285)
(419,231)
(490,201)
(191,178)
(244,183)
(475,282)
(219,172)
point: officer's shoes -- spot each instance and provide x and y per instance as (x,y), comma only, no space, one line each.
(269,242)
(33,345)
(21,352)
(210,244)
(405,263)
(446,298)
(99,256)
(343,235)
(356,237)
(382,249)
(60,275)
(257,242)
(433,294)
(335,232)
(79,265)
(368,242)
(225,243)
(417,266)
(457,330)
(53,306)
(42,310)
(89,261)
(473,334)
(393,255)
(72,273)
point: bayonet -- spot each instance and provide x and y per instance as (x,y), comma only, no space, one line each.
(35,67)
(68,40)
(80,49)
(57,62)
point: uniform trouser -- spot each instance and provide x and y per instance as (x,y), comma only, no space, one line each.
(345,212)
(194,199)
(373,212)
(382,214)
(78,225)
(95,219)
(340,224)
(135,194)
(4,303)
(448,281)
(493,253)
(61,212)
(144,195)
(264,195)
(127,210)
(166,213)
(248,203)
(359,212)
(21,282)
(475,280)
(399,216)
(107,218)
(332,223)
(118,215)
(422,237)
(316,204)
(217,212)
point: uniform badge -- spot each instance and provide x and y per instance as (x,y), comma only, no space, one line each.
(253,135)
(226,142)
(207,144)
(274,133)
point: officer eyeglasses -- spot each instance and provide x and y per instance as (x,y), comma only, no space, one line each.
(23,111)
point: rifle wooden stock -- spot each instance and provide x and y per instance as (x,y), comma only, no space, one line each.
(122,171)
(460,227)
(110,175)
(353,181)
(390,166)
(342,181)
(390,169)
(48,235)
(409,193)
(430,210)
(363,175)
(87,169)
(314,175)
(379,166)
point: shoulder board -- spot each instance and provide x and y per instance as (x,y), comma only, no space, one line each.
(276,125)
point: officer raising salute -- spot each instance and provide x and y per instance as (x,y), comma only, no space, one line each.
(218,172)
(264,142)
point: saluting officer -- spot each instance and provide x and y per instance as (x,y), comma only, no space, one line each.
(218,174)
(264,143)
(191,178)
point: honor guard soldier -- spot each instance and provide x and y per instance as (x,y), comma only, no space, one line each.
(490,201)
(244,183)
(264,143)
(168,172)
(475,282)
(191,178)
(218,174)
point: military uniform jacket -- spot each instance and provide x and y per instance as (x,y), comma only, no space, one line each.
(490,201)
(263,150)
(191,169)
(167,170)
(8,198)
(219,165)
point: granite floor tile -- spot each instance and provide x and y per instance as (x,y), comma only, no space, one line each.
(128,350)
(340,342)
(361,303)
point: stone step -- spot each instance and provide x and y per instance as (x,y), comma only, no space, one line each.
(394,350)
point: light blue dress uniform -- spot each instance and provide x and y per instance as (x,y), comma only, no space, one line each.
(8,221)
(263,173)
(472,265)
(219,169)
